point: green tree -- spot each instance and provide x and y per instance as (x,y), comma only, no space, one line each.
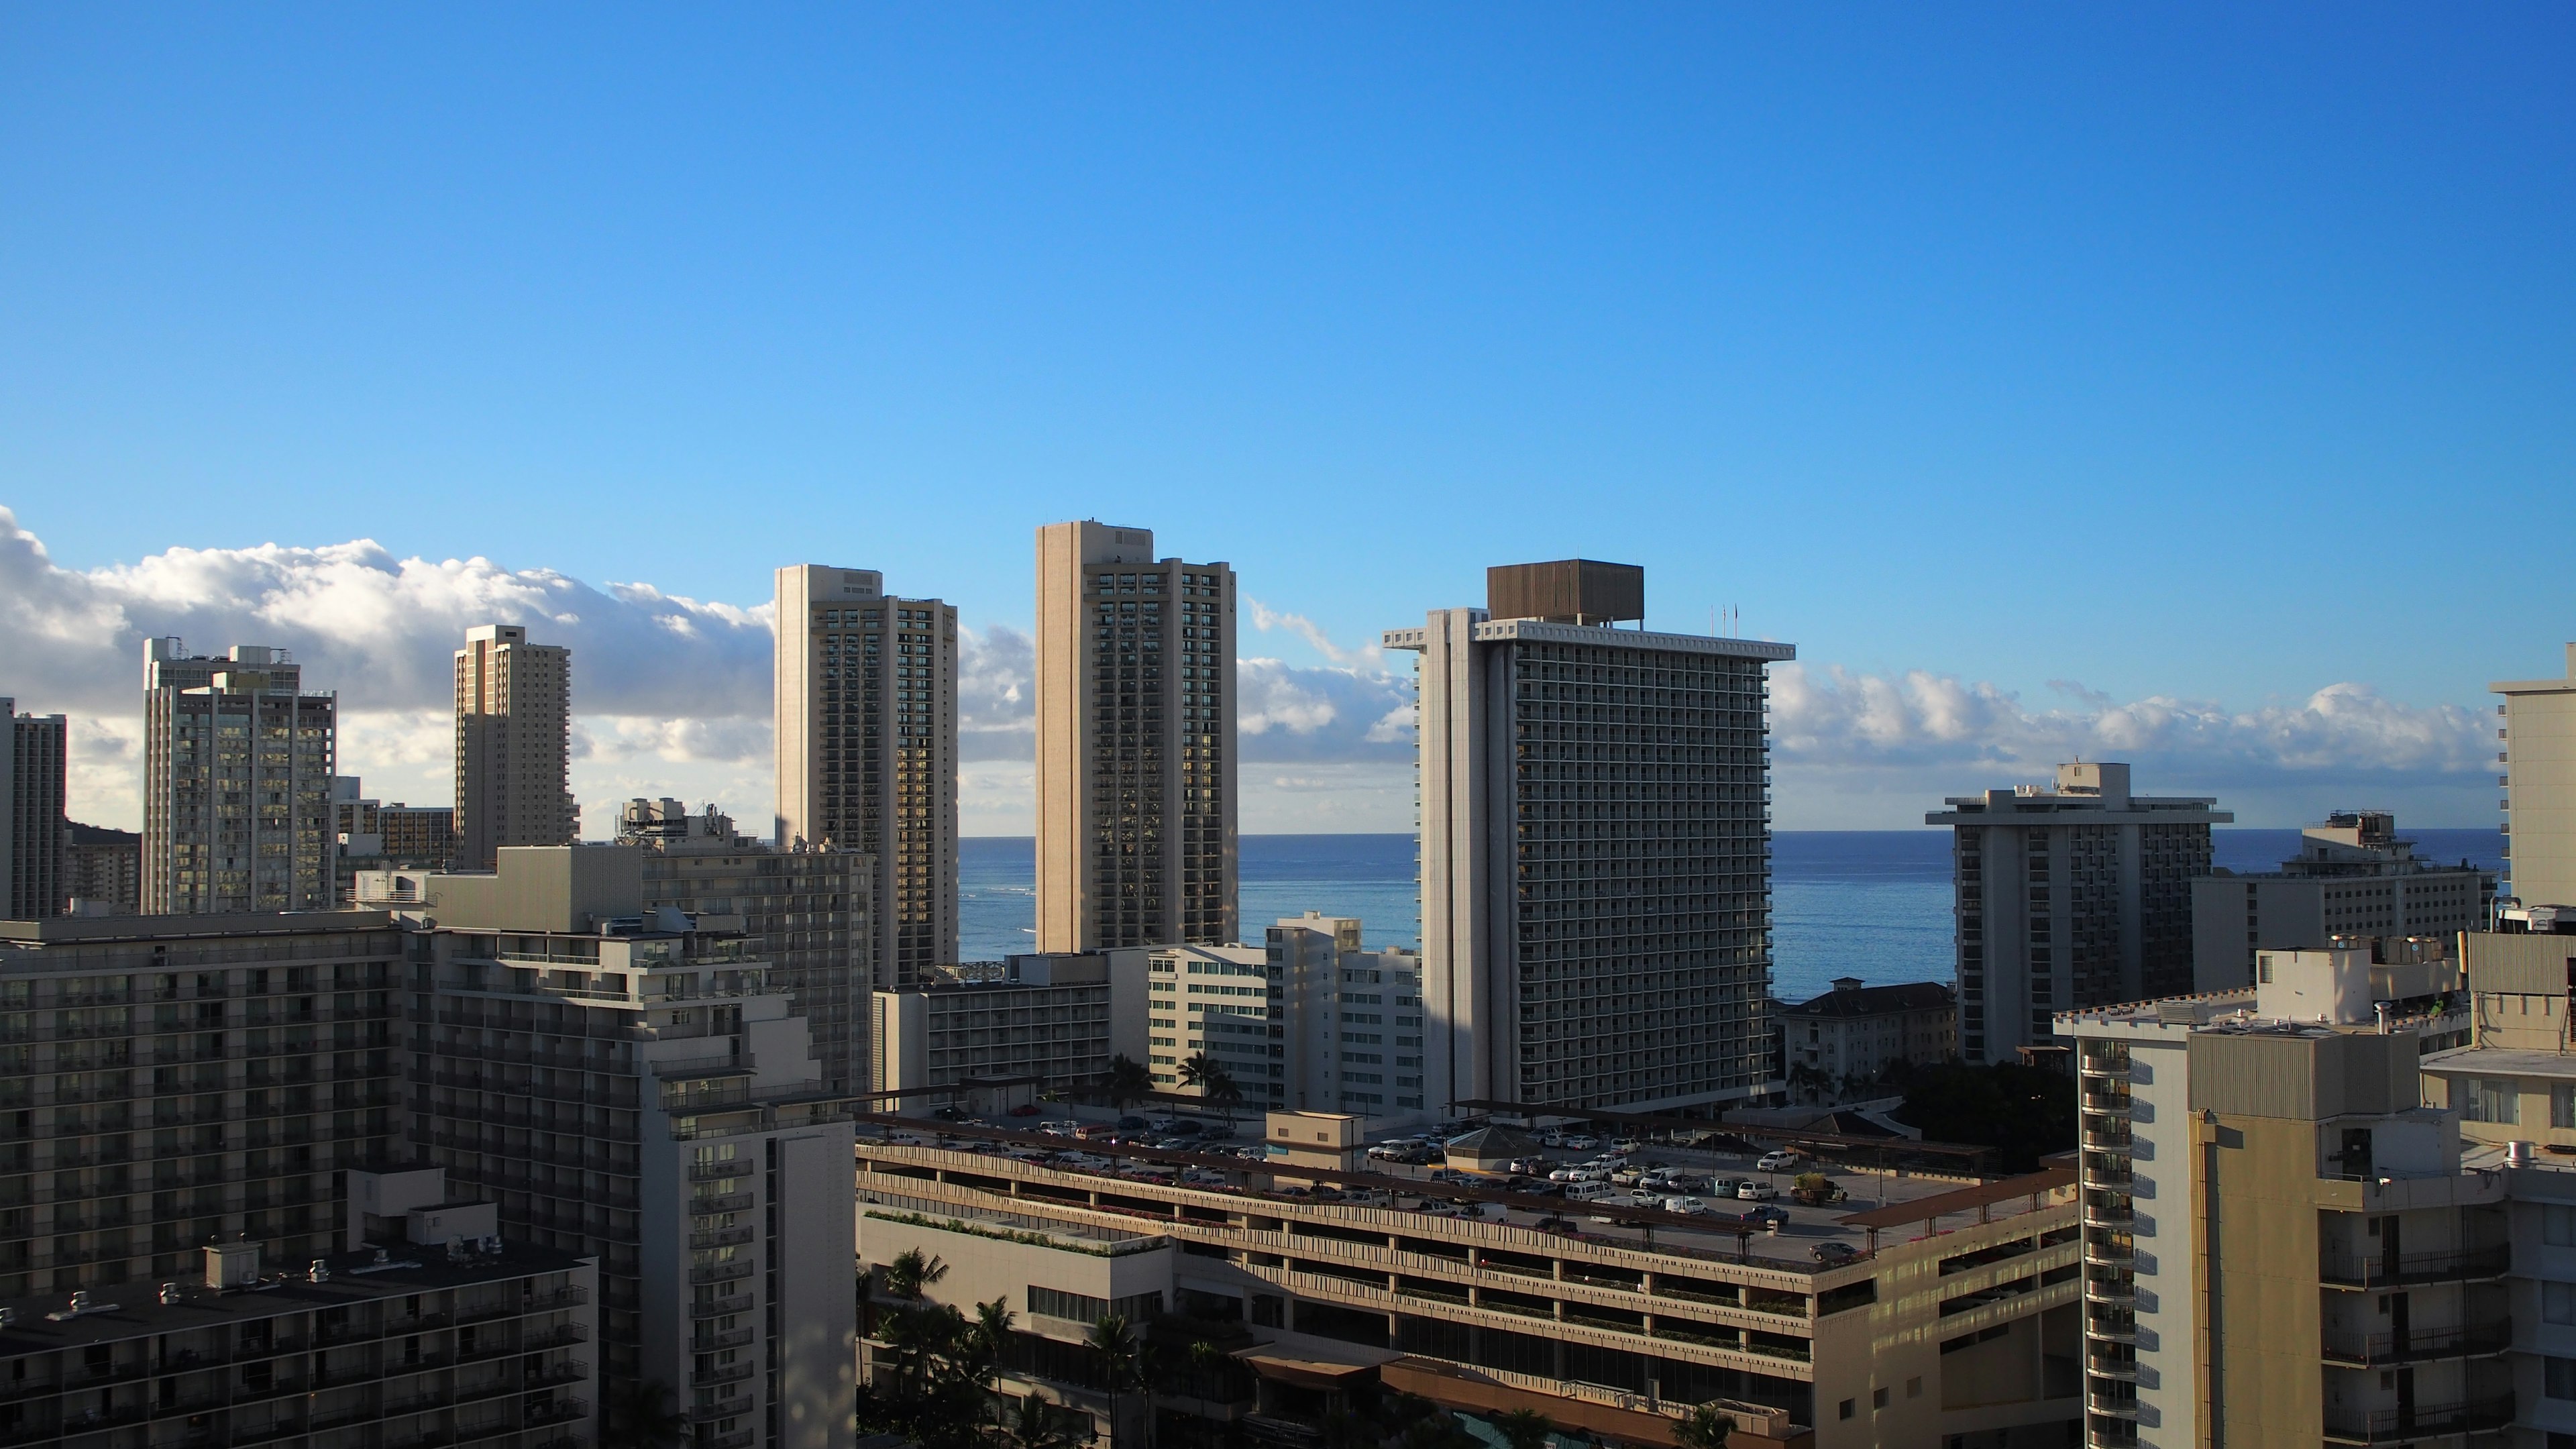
(642,1416)
(2024,1112)
(911,1274)
(1037,1424)
(1127,1082)
(1524,1428)
(1122,1364)
(1211,1078)
(1706,1427)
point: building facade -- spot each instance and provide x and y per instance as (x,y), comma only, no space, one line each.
(994,1035)
(810,908)
(375,835)
(238,760)
(630,1086)
(2537,759)
(1354,1022)
(1136,756)
(2070,897)
(1315,1303)
(166,1082)
(409,1345)
(32,828)
(103,869)
(1839,1046)
(2351,877)
(513,744)
(2281,1243)
(1595,849)
(866,705)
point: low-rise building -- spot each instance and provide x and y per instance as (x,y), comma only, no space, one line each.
(411,1344)
(1282,1294)
(1308,1020)
(992,1035)
(2352,877)
(1839,1045)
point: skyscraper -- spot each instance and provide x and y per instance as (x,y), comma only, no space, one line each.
(2075,897)
(32,841)
(513,744)
(1136,750)
(1596,833)
(238,759)
(866,700)
(2538,755)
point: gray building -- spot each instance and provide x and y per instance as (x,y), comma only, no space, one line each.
(993,1033)
(630,1084)
(238,760)
(103,869)
(2071,897)
(32,882)
(166,1082)
(1595,848)
(2352,877)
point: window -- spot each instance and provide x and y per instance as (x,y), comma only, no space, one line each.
(2558,1224)
(2558,1302)
(2558,1378)
(2562,1104)
(1878,1398)
(1848,1405)
(2490,1099)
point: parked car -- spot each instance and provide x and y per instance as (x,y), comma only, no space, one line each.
(1722,1186)
(1186,1127)
(1690,1207)
(1551,1139)
(1544,1189)
(1833,1255)
(1589,1191)
(1579,1143)
(1216,1130)
(1780,1160)
(1060,1127)
(1627,1144)
(1025,1109)
(1764,1219)
(1526,1166)
(1645,1197)
(1756,1192)
(1629,1177)
(1131,1123)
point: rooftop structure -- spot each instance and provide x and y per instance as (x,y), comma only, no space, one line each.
(2537,759)
(2353,877)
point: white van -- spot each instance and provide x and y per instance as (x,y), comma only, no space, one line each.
(1594,1192)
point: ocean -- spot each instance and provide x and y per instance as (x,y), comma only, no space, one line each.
(1868,903)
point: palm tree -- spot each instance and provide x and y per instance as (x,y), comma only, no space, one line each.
(1122,1363)
(910,1273)
(641,1416)
(1211,1078)
(1524,1428)
(1706,1427)
(1127,1081)
(1038,1424)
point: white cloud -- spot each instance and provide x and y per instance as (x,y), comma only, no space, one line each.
(1264,618)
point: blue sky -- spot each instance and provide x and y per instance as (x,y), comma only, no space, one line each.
(2185,355)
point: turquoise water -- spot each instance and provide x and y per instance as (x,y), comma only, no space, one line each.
(1872,904)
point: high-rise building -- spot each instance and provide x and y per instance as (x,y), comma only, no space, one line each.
(628,1083)
(808,906)
(238,759)
(1136,743)
(103,869)
(31,815)
(1596,914)
(866,701)
(513,744)
(2282,1244)
(171,1081)
(1353,1023)
(2074,897)
(2539,772)
(376,835)
(2352,877)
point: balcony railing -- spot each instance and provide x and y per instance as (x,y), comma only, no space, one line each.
(2389,1426)
(2119,1403)
(2420,1345)
(2377,1270)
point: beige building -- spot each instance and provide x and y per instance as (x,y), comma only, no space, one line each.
(2538,772)
(2282,1244)
(1947,1319)
(1838,1046)
(513,744)
(2070,897)
(1596,820)
(866,703)
(32,829)
(1308,1020)
(1136,755)
(238,760)
(2352,877)
(997,1033)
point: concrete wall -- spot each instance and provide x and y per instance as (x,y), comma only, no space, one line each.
(536,888)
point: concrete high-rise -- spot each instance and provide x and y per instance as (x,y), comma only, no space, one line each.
(32,840)
(513,744)
(2352,877)
(1595,848)
(866,701)
(1136,743)
(2538,762)
(2070,898)
(238,759)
